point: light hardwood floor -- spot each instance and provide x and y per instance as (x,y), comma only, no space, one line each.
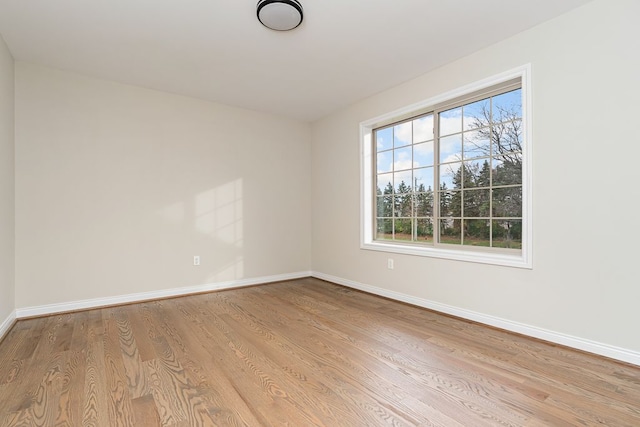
(298,353)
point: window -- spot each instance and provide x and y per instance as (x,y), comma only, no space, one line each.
(448,177)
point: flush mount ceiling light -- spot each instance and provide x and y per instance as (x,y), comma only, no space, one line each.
(280,15)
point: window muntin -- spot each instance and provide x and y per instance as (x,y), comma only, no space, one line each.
(453,176)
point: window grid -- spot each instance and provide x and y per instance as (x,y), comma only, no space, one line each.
(398,216)
(440,220)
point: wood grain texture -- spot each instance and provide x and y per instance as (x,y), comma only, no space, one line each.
(299,353)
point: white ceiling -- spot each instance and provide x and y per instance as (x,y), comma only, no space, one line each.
(344,51)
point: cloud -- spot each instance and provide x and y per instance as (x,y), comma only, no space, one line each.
(423,154)
(404,164)
(450,121)
(403,133)
(423,128)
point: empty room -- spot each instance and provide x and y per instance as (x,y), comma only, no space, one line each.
(319,213)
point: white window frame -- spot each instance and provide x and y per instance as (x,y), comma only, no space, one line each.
(465,253)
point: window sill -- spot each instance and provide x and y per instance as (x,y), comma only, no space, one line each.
(503,259)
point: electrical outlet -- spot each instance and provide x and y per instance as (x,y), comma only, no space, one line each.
(390,263)
(196,260)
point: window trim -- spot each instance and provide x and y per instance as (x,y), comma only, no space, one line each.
(367,176)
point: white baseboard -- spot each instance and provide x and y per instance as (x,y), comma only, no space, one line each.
(606,350)
(7,324)
(44,310)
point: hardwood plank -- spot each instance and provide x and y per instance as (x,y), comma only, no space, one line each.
(119,397)
(146,412)
(16,352)
(71,398)
(140,333)
(10,357)
(132,363)
(302,352)
(95,412)
(44,402)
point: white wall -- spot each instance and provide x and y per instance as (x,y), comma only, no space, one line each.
(118,187)
(7,258)
(584,284)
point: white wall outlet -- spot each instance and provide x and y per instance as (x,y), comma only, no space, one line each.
(196,260)
(390,263)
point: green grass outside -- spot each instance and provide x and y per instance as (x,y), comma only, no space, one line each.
(453,240)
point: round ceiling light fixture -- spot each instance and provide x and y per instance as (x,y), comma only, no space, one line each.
(280,15)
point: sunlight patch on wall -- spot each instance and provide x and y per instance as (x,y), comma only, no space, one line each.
(232,271)
(218,213)
(211,226)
